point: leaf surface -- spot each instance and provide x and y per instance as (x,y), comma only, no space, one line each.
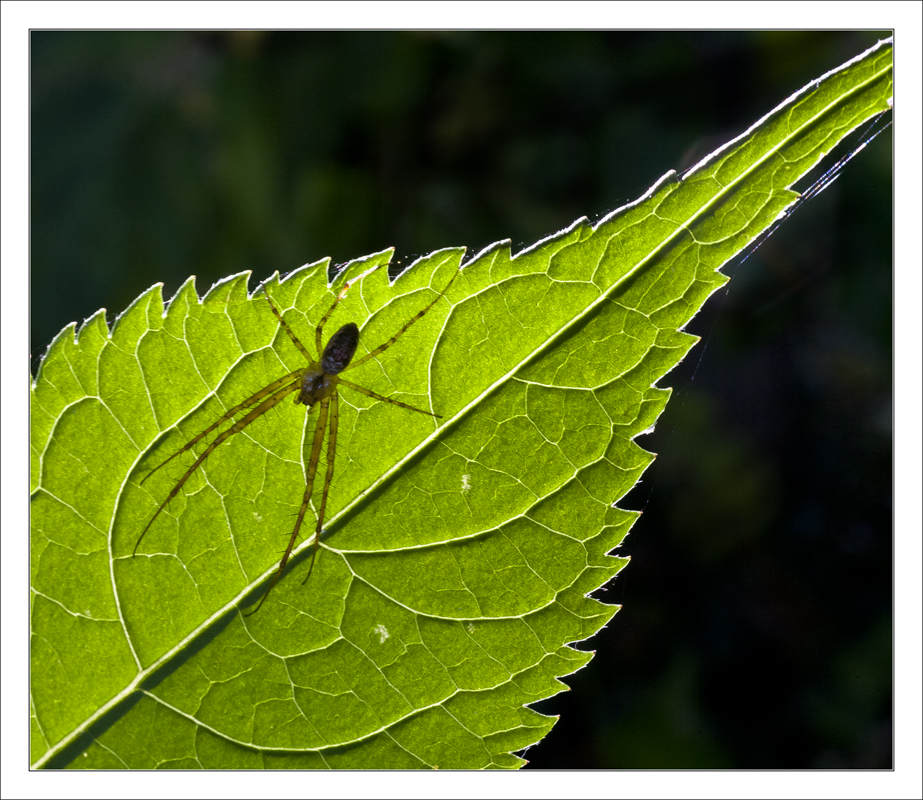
(458,553)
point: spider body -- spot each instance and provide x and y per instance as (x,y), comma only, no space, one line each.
(319,380)
(316,385)
(340,349)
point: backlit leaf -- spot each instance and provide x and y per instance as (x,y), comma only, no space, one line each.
(458,552)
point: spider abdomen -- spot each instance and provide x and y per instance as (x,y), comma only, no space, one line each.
(340,349)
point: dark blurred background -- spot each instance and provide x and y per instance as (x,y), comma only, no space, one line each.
(756,628)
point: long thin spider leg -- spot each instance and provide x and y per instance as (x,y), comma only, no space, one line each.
(356,388)
(393,339)
(331,455)
(312,471)
(318,332)
(254,398)
(288,330)
(221,437)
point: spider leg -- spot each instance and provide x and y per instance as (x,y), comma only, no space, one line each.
(238,426)
(319,429)
(331,456)
(254,398)
(323,320)
(356,388)
(288,330)
(393,339)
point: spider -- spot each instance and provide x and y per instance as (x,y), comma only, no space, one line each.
(316,385)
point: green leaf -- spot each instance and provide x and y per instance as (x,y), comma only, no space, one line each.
(458,553)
